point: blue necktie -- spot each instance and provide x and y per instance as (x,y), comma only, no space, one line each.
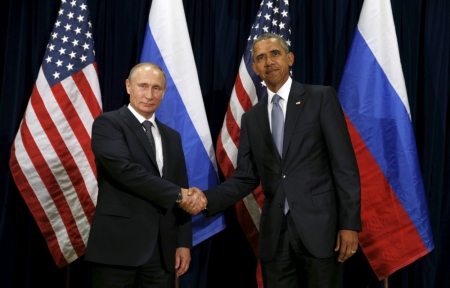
(278,132)
(148,130)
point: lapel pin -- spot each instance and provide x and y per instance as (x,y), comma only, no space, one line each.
(298,103)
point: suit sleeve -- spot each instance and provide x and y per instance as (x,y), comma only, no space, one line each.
(114,160)
(343,161)
(242,183)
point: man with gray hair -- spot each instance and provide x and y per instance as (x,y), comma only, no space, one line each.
(295,143)
(139,235)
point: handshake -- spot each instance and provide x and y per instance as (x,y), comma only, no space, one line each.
(194,201)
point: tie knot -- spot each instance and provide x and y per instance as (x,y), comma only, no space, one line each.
(276,98)
(147,124)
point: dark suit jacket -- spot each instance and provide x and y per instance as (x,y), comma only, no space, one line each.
(318,173)
(134,202)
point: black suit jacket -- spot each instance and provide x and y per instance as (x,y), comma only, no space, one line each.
(134,202)
(318,173)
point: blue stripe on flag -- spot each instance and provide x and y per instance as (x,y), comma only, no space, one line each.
(172,112)
(376,109)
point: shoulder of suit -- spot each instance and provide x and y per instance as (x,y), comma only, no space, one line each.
(260,105)
(165,128)
(109,114)
(315,90)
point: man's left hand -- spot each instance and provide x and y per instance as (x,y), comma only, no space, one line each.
(182,260)
(346,244)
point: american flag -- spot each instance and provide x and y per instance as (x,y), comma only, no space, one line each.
(51,159)
(272,16)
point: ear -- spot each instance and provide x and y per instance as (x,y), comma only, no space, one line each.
(290,57)
(128,85)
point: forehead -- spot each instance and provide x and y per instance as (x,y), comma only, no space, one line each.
(267,45)
(147,73)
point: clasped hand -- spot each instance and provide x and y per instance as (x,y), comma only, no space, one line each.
(194,200)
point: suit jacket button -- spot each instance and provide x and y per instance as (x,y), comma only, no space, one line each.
(280,205)
(284,175)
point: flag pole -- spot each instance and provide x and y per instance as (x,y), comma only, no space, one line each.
(68,276)
(386,282)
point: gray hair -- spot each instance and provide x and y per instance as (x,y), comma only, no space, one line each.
(266,36)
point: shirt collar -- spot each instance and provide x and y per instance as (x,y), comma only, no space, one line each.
(283,92)
(141,118)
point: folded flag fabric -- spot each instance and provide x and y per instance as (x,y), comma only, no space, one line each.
(396,228)
(168,45)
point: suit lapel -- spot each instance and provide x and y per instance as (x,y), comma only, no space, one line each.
(297,99)
(137,129)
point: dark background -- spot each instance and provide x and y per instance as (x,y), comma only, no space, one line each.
(322,32)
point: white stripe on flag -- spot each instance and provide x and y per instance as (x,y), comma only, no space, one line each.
(78,103)
(91,76)
(247,83)
(253,209)
(181,64)
(57,169)
(44,199)
(51,161)
(167,44)
(382,41)
(67,134)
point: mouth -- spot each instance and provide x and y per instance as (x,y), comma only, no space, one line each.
(271,71)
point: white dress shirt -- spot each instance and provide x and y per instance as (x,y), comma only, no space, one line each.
(283,92)
(156,136)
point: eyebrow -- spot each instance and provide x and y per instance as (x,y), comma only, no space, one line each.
(271,51)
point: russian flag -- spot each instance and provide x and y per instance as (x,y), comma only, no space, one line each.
(168,45)
(396,228)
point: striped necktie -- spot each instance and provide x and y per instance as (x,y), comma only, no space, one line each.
(148,131)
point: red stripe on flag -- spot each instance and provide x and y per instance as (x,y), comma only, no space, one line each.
(63,153)
(259,196)
(222,158)
(36,210)
(389,238)
(74,121)
(88,95)
(54,191)
(252,234)
(242,94)
(232,126)
(70,238)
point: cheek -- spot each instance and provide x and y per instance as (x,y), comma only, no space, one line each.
(259,69)
(159,98)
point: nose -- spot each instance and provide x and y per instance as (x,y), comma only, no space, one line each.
(269,61)
(148,95)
